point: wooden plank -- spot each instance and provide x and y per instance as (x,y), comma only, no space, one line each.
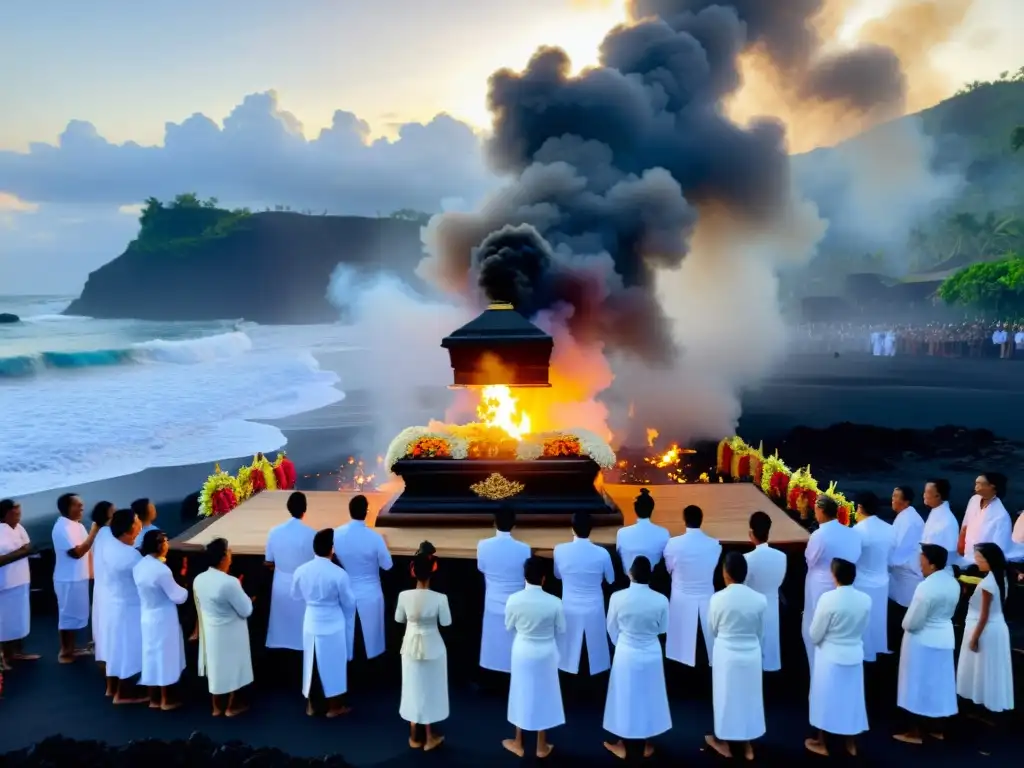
(726,506)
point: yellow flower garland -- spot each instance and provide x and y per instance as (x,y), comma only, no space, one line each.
(214,483)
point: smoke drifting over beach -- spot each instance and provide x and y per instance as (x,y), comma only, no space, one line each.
(640,224)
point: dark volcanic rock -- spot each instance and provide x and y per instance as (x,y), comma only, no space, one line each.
(7,317)
(199,751)
(272,268)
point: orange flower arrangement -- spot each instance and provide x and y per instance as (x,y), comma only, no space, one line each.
(563,445)
(430,448)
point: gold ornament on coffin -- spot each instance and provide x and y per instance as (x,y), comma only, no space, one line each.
(496,488)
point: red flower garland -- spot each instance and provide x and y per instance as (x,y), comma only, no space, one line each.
(289,474)
(223,501)
(742,466)
(257,480)
(281,478)
(725,462)
(778,485)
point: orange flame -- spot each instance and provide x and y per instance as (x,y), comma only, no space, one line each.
(498,408)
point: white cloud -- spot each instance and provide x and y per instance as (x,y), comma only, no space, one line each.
(10,203)
(135,209)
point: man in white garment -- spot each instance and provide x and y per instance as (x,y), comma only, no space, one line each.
(986,520)
(71,573)
(582,566)
(890,344)
(225,658)
(876,343)
(330,608)
(289,545)
(766,570)
(363,554)
(737,619)
(15,578)
(905,561)
(636,708)
(500,559)
(145,510)
(831,540)
(927,681)
(643,537)
(837,702)
(877,542)
(940,526)
(123,633)
(999,339)
(534,694)
(691,559)
(1018,341)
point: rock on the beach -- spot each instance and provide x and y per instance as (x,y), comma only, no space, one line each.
(7,317)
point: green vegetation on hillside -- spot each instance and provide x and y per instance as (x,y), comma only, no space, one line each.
(183,222)
(995,287)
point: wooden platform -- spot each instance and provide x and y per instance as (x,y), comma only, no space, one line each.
(727,508)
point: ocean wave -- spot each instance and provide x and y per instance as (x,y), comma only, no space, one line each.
(204,349)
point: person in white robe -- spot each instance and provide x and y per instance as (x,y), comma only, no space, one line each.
(986,520)
(877,542)
(737,620)
(363,554)
(890,344)
(766,570)
(691,560)
(500,559)
(225,657)
(927,682)
(289,545)
(326,590)
(642,537)
(940,526)
(837,703)
(582,566)
(636,707)
(15,578)
(163,645)
(424,699)
(101,514)
(905,561)
(984,675)
(876,343)
(123,632)
(145,510)
(831,540)
(71,573)
(534,696)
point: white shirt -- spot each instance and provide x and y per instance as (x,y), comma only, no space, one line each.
(942,529)
(68,534)
(877,541)
(289,545)
(691,558)
(838,626)
(990,525)
(642,538)
(120,560)
(929,618)
(362,552)
(534,614)
(831,540)
(328,595)
(766,570)
(636,616)
(501,559)
(1018,337)
(582,565)
(737,618)
(999,337)
(17,573)
(905,562)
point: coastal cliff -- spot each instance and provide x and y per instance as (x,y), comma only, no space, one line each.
(195,261)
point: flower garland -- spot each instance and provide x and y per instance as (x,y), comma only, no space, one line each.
(803,493)
(847,513)
(220,494)
(742,457)
(775,477)
(284,472)
(726,448)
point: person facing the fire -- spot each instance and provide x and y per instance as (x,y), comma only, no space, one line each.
(289,545)
(500,559)
(691,559)
(582,565)
(766,570)
(363,554)
(643,537)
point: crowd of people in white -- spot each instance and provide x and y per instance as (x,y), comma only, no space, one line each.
(856,576)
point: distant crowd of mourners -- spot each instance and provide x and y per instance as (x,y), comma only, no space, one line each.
(977,339)
(871,589)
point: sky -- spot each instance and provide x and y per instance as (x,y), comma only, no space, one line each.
(136,99)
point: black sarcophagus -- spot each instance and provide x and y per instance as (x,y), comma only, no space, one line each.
(500,346)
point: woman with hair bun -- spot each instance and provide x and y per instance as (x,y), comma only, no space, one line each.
(424,656)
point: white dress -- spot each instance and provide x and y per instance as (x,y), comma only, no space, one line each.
(500,559)
(583,566)
(363,554)
(836,699)
(163,647)
(15,609)
(289,545)
(736,618)
(71,575)
(534,695)
(326,591)
(225,657)
(926,684)
(424,657)
(100,596)
(124,634)
(637,704)
(691,558)
(986,676)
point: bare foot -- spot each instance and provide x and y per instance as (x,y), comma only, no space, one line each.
(110,693)
(236,711)
(815,746)
(415,744)
(618,749)
(83,652)
(908,738)
(5,666)
(25,656)
(217,712)
(136,700)
(433,743)
(938,736)
(154,705)
(721,747)
(170,706)
(542,753)
(309,710)
(339,711)
(851,750)
(513,746)
(748,752)
(65,658)
(649,750)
